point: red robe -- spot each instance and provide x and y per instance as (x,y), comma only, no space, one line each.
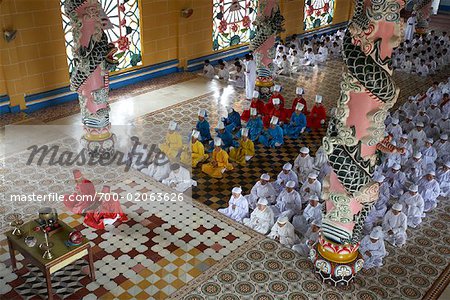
(86,187)
(302,101)
(269,105)
(317,114)
(107,210)
(258,104)
(280,113)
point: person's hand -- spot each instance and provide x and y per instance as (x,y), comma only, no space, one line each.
(307,190)
(277,238)
(390,232)
(368,253)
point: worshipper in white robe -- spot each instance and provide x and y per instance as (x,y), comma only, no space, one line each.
(310,238)
(443,178)
(429,154)
(303,164)
(284,232)
(285,66)
(179,178)
(372,249)
(379,209)
(432,131)
(223,74)
(313,211)
(444,123)
(408,125)
(423,69)
(391,158)
(410,107)
(430,190)
(394,226)
(434,94)
(433,112)
(322,53)
(396,180)
(417,136)
(309,59)
(311,186)
(404,144)
(288,202)
(159,169)
(250,76)
(442,147)
(415,167)
(394,128)
(237,206)
(208,70)
(413,205)
(262,218)
(422,117)
(410,27)
(321,164)
(284,176)
(262,189)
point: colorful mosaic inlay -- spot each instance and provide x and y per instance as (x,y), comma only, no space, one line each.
(318,13)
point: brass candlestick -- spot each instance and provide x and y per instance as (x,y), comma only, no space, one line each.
(47,246)
(17,223)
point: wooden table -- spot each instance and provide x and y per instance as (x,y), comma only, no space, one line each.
(62,255)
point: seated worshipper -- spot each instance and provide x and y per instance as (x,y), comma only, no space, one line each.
(225,135)
(312,212)
(285,67)
(432,130)
(261,219)
(444,123)
(391,158)
(297,124)
(415,168)
(203,126)
(413,205)
(196,154)
(233,120)
(442,147)
(429,154)
(394,226)
(173,143)
(394,129)
(284,176)
(262,189)
(310,238)
(410,107)
(238,77)
(417,136)
(237,206)
(303,164)
(318,115)
(321,164)
(322,53)
(445,104)
(429,190)
(83,187)
(335,50)
(434,112)
(396,180)
(254,125)
(422,69)
(288,202)
(105,212)
(274,110)
(422,117)
(276,94)
(299,99)
(284,232)
(179,178)
(443,177)
(219,161)
(137,157)
(223,74)
(159,167)
(208,70)
(256,103)
(311,186)
(379,209)
(273,136)
(372,249)
(309,59)
(246,149)
(408,125)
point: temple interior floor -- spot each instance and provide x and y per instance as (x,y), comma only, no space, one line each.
(186,249)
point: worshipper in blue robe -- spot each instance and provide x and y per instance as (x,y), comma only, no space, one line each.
(254,125)
(273,136)
(226,136)
(203,126)
(233,121)
(297,123)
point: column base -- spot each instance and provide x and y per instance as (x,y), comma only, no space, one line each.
(104,148)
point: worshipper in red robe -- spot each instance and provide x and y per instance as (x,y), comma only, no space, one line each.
(84,195)
(299,99)
(275,95)
(318,115)
(256,103)
(106,210)
(276,111)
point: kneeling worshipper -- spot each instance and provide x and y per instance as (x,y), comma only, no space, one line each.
(313,211)
(429,189)
(256,103)
(372,249)
(284,232)
(104,212)
(219,161)
(254,125)
(262,189)
(159,167)
(443,177)
(233,120)
(273,136)
(318,114)
(203,126)
(284,176)
(394,226)
(246,149)
(83,187)
(311,186)
(379,209)
(310,238)
(196,154)
(300,100)
(413,205)
(396,180)
(173,143)
(303,165)
(179,178)
(288,202)
(237,206)
(297,123)
(261,219)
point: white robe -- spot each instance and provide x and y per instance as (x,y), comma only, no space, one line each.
(223,75)
(419,136)
(412,208)
(307,242)
(410,28)
(398,224)
(241,210)
(443,150)
(286,234)
(261,191)
(311,213)
(260,221)
(309,189)
(283,178)
(288,204)
(250,78)
(429,155)
(303,166)
(377,252)
(239,80)
(182,180)
(158,172)
(379,208)
(396,183)
(209,72)
(430,191)
(444,182)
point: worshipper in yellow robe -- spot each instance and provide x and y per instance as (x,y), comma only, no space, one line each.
(173,144)
(197,151)
(245,151)
(219,161)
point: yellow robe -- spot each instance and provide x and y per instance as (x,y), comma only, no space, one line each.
(195,156)
(172,145)
(246,148)
(221,157)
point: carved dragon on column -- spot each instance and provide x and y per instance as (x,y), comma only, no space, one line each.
(93,57)
(423,13)
(354,135)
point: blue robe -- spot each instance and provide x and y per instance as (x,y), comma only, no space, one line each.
(233,121)
(255,128)
(203,127)
(272,136)
(294,128)
(227,140)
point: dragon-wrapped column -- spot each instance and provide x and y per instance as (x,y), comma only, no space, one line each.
(422,8)
(93,57)
(354,135)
